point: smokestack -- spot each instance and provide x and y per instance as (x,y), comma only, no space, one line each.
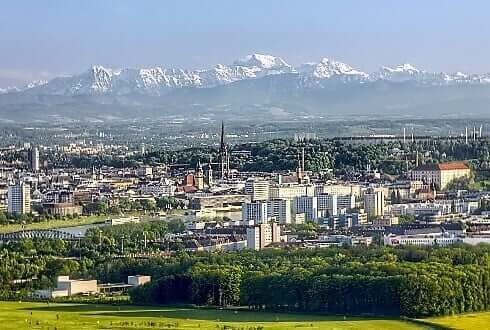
(412,135)
(404,135)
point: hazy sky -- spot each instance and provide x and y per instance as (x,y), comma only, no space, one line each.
(40,39)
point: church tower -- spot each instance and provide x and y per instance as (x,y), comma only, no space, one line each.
(199,177)
(209,174)
(224,158)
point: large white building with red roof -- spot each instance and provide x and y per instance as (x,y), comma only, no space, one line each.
(440,175)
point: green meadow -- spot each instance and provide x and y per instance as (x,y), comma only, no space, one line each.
(26,315)
(464,321)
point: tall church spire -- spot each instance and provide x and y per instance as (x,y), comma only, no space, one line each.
(223,154)
(222,145)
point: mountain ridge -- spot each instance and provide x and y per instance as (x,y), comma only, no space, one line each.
(158,80)
(256,87)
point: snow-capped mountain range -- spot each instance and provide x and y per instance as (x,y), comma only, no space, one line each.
(99,80)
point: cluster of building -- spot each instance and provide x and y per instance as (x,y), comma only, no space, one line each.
(265,206)
(347,213)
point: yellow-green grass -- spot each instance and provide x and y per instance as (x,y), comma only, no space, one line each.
(26,315)
(52,224)
(464,321)
(80,221)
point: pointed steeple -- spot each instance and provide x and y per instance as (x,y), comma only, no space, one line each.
(223,154)
(222,144)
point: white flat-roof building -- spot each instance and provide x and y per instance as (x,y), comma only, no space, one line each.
(439,239)
(74,287)
(136,280)
(159,189)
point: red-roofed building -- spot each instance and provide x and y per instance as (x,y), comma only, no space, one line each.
(440,175)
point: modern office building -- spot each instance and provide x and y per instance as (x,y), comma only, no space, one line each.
(34,159)
(255,211)
(279,210)
(374,203)
(260,236)
(327,204)
(290,191)
(258,189)
(307,205)
(338,189)
(354,219)
(19,199)
(347,202)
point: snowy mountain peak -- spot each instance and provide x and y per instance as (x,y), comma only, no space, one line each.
(402,72)
(406,67)
(36,83)
(262,61)
(328,68)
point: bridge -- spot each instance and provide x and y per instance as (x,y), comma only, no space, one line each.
(37,234)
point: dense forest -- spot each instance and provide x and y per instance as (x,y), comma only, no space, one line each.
(382,281)
(393,157)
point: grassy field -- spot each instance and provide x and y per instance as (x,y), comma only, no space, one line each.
(52,224)
(17,315)
(83,220)
(465,321)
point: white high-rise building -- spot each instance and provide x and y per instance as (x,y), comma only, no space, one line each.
(19,199)
(307,205)
(327,204)
(262,235)
(255,211)
(279,209)
(34,159)
(374,203)
(258,189)
(347,202)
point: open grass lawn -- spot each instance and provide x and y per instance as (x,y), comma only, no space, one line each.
(16,315)
(52,224)
(466,321)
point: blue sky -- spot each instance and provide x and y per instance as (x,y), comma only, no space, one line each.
(40,39)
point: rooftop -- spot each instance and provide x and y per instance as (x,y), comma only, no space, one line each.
(443,166)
